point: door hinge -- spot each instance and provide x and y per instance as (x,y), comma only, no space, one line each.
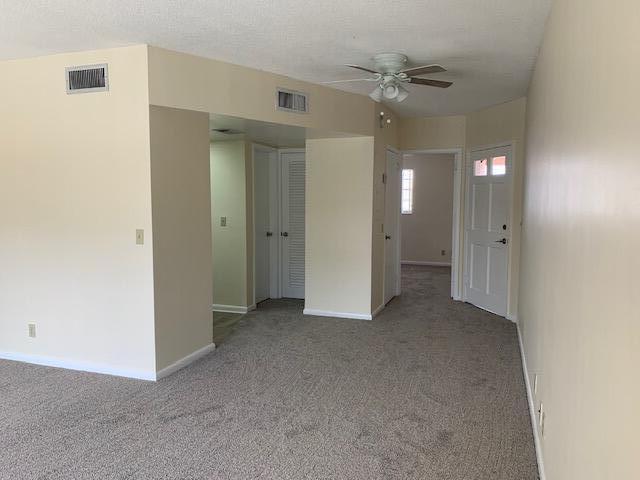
(384,178)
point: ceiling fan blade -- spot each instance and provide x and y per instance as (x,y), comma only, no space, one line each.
(361,68)
(350,80)
(431,83)
(425,70)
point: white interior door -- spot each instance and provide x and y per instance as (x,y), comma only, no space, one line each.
(488,230)
(292,227)
(264,221)
(391,227)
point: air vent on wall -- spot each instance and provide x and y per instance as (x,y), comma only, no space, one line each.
(292,101)
(87,78)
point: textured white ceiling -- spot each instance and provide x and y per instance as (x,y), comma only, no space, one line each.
(488,46)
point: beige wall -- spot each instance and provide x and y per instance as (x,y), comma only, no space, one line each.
(232,197)
(495,125)
(432,133)
(338,212)
(578,310)
(180,196)
(427,231)
(74,187)
(196,83)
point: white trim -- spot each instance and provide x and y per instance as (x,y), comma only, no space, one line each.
(377,310)
(532,409)
(432,151)
(184,361)
(216,307)
(398,233)
(457,234)
(79,366)
(326,313)
(513,317)
(427,264)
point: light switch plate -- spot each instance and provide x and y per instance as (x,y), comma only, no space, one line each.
(32,330)
(139,236)
(223,221)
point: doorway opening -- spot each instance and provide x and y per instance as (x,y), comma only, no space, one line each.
(428,193)
(257,178)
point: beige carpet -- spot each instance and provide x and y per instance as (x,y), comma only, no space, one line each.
(431,389)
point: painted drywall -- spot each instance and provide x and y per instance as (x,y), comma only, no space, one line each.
(386,135)
(338,211)
(432,133)
(74,187)
(495,125)
(578,309)
(196,83)
(427,230)
(181,206)
(231,197)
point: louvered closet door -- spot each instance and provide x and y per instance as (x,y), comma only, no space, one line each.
(292,231)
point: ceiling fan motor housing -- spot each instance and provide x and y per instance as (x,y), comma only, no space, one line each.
(390,62)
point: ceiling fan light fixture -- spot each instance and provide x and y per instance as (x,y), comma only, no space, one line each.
(377,94)
(402,94)
(390,91)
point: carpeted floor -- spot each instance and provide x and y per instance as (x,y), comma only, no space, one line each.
(430,389)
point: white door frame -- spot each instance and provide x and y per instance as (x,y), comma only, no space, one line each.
(280,242)
(511,145)
(457,234)
(398,231)
(273,262)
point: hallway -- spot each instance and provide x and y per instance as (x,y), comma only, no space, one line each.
(430,389)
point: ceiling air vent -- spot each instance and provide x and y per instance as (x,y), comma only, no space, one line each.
(87,78)
(291,101)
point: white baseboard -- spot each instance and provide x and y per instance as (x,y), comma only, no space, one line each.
(378,310)
(427,264)
(80,366)
(513,317)
(216,307)
(532,409)
(326,313)
(183,362)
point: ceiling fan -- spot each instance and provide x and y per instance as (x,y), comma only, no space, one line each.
(390,74)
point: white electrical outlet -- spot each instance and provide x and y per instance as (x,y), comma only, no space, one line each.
(541,418)
(32,330)
(139,237)
(535,384)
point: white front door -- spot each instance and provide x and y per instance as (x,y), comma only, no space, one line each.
(264,221)
(292,222)
(487,229)
(391,227)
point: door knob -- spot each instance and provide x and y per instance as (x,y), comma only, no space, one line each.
(269,234)
(503,241)
(284,234)
(387,237)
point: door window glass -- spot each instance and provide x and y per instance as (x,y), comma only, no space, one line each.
(499,165)
(480,168)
